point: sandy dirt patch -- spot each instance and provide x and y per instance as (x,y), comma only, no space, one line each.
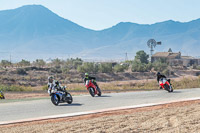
(180,117)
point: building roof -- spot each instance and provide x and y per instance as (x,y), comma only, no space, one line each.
(174,55)
(166,54)
(161,54)
(187,57)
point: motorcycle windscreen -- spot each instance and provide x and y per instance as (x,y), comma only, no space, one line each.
(87,82)
(163,80)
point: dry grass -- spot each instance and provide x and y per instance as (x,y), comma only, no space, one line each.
(181,83)
(148,84)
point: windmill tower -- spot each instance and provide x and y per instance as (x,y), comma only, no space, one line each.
(151,43)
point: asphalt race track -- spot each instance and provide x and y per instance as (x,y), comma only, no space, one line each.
(40,108)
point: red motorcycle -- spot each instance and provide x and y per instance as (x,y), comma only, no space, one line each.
(93,89)
(164,83)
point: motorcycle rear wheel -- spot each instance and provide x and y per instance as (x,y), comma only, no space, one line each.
(99,91)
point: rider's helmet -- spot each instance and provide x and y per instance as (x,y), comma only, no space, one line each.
(158,74)
(50,78)
(86,75)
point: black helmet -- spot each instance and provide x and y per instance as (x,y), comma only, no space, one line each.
(158,74)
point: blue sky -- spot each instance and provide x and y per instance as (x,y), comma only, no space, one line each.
(101,14)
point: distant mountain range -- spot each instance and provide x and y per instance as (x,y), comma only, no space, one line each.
(34,31)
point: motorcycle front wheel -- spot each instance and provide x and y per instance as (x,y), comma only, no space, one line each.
(169,88)
(54,99)
(92,93)
(69,98)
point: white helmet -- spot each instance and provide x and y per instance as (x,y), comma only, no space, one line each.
(50,78)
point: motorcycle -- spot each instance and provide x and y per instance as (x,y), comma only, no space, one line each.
(2,95)
(93,89)
(164,83)
(60,96)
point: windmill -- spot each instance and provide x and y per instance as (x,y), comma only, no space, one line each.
(152,44)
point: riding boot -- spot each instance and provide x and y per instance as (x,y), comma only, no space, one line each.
(169,81)
(96,84)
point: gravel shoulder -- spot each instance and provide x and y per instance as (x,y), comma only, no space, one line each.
(175,117)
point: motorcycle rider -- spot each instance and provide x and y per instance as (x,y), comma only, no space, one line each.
(160,76)
(87,77)
(54,84)
(1,95)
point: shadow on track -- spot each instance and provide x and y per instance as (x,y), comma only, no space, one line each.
(73,104)
(175,91)
(104,96)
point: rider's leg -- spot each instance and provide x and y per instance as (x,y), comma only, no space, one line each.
(95,83)
(169,81)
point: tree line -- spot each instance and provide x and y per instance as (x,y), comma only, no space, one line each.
(139,64)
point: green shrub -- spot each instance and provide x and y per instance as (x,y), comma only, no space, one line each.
(166,71)
(74,63)
(24,63)
(105,67)
(137,66)
(45,87)
(142,57)
(120,68)
(5,63)
(14,88)
(88,67)
(56,69)
(197,67)
(160,66)
(21,71)
(39,63)
(57,62)
(65,69)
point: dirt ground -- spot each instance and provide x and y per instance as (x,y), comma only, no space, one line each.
(182,117)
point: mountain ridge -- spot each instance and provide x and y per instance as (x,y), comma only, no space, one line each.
(37,29)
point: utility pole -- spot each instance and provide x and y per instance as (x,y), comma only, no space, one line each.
(126,56)
(10,58)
